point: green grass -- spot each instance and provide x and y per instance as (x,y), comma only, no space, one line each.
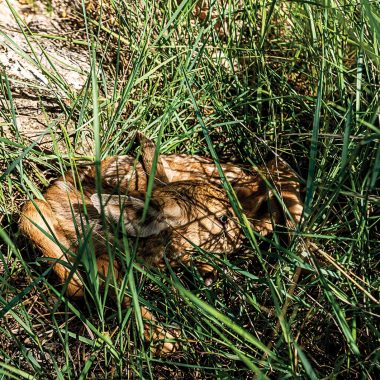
(297,79)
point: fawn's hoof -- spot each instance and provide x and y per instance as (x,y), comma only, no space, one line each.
(163,341)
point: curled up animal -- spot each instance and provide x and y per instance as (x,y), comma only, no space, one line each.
(179,215)
(188,208)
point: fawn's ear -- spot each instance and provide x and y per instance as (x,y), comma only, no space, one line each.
(148,150)
(129,210)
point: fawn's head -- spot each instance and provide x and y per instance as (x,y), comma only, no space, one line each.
(194,213)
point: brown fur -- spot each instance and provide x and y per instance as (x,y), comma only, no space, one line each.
(180,214)
(267,194)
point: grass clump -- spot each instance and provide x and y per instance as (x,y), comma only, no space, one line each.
(297,79)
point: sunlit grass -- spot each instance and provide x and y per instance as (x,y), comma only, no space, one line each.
(297,79)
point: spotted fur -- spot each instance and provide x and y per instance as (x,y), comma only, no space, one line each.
(180,215)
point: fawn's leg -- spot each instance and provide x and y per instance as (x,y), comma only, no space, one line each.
(152,330)
(207,272)
(291,196)
(156,333)
(288,187)
(41,227)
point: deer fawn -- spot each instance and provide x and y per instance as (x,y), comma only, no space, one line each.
(186,208)
(179,215)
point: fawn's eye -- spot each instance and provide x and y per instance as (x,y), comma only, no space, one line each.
(223,219)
